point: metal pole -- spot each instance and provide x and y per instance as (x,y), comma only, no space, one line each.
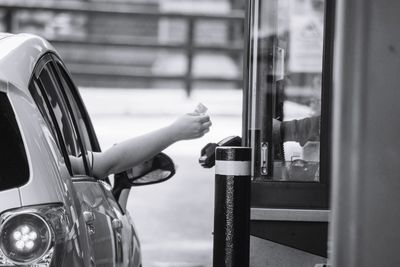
(189,51)
(232,207)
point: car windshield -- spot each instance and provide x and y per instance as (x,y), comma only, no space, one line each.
(14,170)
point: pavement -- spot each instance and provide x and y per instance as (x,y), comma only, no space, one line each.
(174,219)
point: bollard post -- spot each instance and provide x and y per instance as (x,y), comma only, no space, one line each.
(232,207)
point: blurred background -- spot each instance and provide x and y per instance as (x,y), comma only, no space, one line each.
(139,64)
(180,44)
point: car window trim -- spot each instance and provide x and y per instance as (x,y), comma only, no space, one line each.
(78,99)
(73,119)
(57,127)
(42,62)
(83,178)
(89,169)
(35,86)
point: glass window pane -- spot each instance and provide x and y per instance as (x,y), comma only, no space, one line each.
(68,89)
(14,168)
(62,116)
(41,104)
(285,74)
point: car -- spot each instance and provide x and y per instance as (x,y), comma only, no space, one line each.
(50,216)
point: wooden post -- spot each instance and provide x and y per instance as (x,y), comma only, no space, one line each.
(8,20)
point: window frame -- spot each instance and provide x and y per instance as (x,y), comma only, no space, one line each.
(37,70)
(58,76)
(78,100)
(297,195)
(72,88)
(44,61)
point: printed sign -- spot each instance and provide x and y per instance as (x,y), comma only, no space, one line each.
(306,40)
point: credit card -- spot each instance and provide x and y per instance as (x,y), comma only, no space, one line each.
(201,109)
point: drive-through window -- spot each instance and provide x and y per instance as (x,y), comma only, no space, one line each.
(287,49)
(286,112)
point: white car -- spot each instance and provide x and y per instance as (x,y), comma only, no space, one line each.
(50,216)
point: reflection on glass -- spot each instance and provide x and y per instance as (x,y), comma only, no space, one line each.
(285,73)
(60,112)
(153,176)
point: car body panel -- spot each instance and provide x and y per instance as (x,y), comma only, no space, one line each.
(10,199)
(16,68)
(47,172)
(133,250)
(49,181)
(49,178)
(18,56)
(91,200)
(126,236)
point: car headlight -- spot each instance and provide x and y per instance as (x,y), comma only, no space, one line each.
(24,238)
(30,235)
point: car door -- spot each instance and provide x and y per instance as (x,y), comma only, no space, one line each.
(286,123)
(126,244)
(92,202)
(82,245)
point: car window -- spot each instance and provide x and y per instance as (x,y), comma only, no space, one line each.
(14,169)
(41,104)
(49,87)
(60,111)
(67,85)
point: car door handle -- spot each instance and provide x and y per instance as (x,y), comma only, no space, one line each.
(88,217)
(116,224)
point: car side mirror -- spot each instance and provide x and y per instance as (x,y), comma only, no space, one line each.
(156,170)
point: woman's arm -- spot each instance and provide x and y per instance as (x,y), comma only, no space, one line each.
(133,151)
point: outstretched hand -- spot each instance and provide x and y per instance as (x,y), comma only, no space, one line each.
(191,126)
(134,151)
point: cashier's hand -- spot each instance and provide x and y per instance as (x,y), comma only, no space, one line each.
(191,126)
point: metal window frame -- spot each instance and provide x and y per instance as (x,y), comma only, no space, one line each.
(296,195)
(42,63)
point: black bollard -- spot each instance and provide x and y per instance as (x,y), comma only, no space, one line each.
(232,207)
